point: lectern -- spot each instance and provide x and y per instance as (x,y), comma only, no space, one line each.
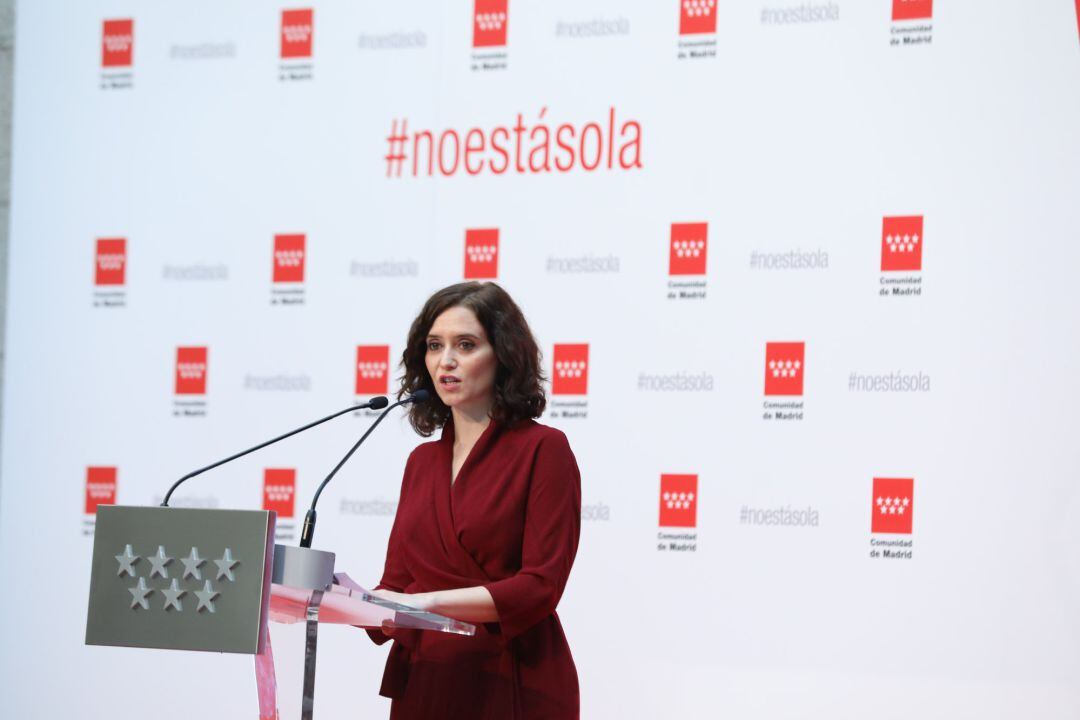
(195,579)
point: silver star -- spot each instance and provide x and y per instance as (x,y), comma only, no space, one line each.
(192,563)
(127,561)
(139,593)
(172,596)
(206,596)
(225,566)
(159,562)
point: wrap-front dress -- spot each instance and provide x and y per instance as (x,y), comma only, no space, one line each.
(510,522)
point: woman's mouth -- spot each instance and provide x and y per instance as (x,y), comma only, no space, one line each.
(449,381)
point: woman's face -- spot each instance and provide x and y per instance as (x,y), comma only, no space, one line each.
(461,361)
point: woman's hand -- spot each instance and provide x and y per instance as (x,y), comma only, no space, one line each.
(470,605)
(420,601)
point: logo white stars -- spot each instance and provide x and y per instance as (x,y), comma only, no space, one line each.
(371,369)
(698,8)
(688,248)
(289,258)
(893,505)
(785,368)
(110,261)
(100,490)
(118,43)
(678,500)
(191,370)
(481,253)
(490,22)
(279,493)
(570,368)
(902,243)
(296,33)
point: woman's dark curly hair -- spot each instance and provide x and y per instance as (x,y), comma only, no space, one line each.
(519,393)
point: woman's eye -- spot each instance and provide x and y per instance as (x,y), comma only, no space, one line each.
(466,345)
(433,346)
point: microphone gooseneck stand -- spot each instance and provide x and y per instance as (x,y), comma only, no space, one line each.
(308,531)
(376,403)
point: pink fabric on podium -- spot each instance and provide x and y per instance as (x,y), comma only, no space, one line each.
(266,679)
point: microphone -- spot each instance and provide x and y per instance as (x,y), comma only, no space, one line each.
(375,403)
(309,518)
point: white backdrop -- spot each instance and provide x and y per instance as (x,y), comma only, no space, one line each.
(796,131)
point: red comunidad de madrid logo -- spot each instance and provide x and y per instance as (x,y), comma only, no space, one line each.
(117,42)
(678,500)
(697,17)
(490,18)
(100,488)
(110,261)
(902,243)
(279,491)
(912,9)
(892,505)
(289,253)
(297,29)
(689,248)
(372,369)
(191,366)
(785,364)
(570,369)
(482,254)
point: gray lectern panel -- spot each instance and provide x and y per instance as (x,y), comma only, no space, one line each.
(179,578)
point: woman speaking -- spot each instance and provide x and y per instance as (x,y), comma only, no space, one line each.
(488,522)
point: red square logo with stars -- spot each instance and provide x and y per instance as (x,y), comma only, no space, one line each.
(297,29)
(110,261)
(570,369)
(100,488)
(279,491)
(482,254)
(191,365)
(117,42)
(697,17)
(784,366)
(372,369)
(678,500)
(902,243)
(289,258)
(912,9)
(689,248)
(892,506)
(489,23)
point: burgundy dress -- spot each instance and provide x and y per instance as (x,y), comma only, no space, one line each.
(509,522)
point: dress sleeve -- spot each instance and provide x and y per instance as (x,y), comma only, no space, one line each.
(396,576)
(552,528)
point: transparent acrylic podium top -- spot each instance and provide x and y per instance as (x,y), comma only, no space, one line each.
(347,603)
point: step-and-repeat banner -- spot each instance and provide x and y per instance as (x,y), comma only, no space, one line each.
(803,273)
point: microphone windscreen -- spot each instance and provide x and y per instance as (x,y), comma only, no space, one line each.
(420,396)
(378,403)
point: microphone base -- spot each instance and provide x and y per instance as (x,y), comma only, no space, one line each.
(303,568)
